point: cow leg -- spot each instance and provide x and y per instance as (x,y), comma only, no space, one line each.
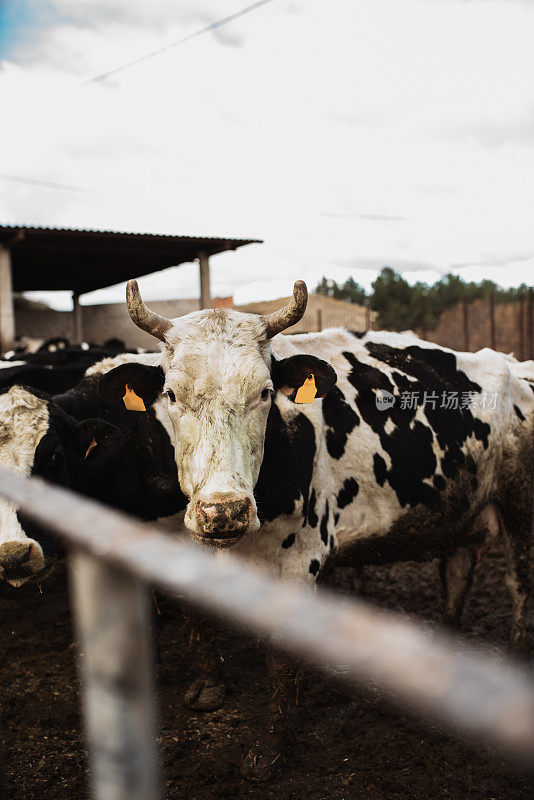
(206,692)
(266,758)
(517,579)
(456,572)
(359,582)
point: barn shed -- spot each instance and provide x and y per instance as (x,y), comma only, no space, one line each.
(82,261)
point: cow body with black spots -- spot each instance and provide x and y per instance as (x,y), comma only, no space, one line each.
(357,471)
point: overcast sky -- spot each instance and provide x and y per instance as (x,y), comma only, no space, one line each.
(348,134)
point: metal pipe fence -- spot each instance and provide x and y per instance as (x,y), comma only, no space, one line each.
(112,558)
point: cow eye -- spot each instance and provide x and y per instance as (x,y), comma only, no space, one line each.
(170,394)
(266,394)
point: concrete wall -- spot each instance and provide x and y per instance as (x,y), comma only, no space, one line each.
(321,312)
(112,320)
(99,322)
(43,324)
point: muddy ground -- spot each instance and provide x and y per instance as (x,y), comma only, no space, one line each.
(347,746)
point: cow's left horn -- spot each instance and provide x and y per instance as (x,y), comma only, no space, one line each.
(290,314)
(143,317)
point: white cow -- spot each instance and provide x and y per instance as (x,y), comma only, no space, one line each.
(409,450)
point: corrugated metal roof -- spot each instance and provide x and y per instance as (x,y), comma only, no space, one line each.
(82,260)
(109,231)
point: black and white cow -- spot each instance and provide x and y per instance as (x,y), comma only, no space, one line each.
(359,469)
(23,346)
(26,347)
(87,440)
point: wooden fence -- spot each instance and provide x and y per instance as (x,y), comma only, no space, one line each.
(113,558)
(508,327)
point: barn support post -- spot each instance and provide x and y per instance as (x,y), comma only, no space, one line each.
(205,295)
(77,323)
(7,310)
(113,624)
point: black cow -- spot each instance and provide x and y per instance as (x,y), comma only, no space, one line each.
(56,366)
(85,439)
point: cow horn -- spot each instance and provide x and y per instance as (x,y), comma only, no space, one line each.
(290,314)
(145,319)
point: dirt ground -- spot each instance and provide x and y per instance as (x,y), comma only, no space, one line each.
(348,747)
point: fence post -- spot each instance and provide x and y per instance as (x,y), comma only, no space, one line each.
(530,324)
(424,332)
(493,338)
(521,353)
(319,320)
(113,625)
(466,325)
(3,793)
(367,316)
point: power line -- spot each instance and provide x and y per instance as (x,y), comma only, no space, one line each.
(46,184)
(211,27)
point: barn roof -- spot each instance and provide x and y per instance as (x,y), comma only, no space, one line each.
(84,260)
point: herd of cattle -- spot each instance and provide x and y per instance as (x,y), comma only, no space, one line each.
(409,451)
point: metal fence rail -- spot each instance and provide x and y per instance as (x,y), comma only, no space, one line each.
(113,556)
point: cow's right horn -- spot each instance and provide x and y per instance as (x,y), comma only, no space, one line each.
(289,315)
(143,317)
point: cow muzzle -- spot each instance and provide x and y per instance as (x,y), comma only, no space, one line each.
(20,561)
(222,519)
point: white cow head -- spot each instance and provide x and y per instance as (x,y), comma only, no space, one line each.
(219,380)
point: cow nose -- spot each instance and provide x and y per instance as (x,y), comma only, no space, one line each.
(225,515)
(14,554)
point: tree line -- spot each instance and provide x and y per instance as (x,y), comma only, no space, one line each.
(401,306)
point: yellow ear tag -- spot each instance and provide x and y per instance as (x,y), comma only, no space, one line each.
(307,392)
(92,446)
(132,401)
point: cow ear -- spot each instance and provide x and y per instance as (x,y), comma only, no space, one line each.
(133,386)
(97,440)
(303,378)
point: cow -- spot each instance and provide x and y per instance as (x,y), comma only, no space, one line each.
(24,345)
(87,440)
(52,380)
(56,366)
(288,485)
